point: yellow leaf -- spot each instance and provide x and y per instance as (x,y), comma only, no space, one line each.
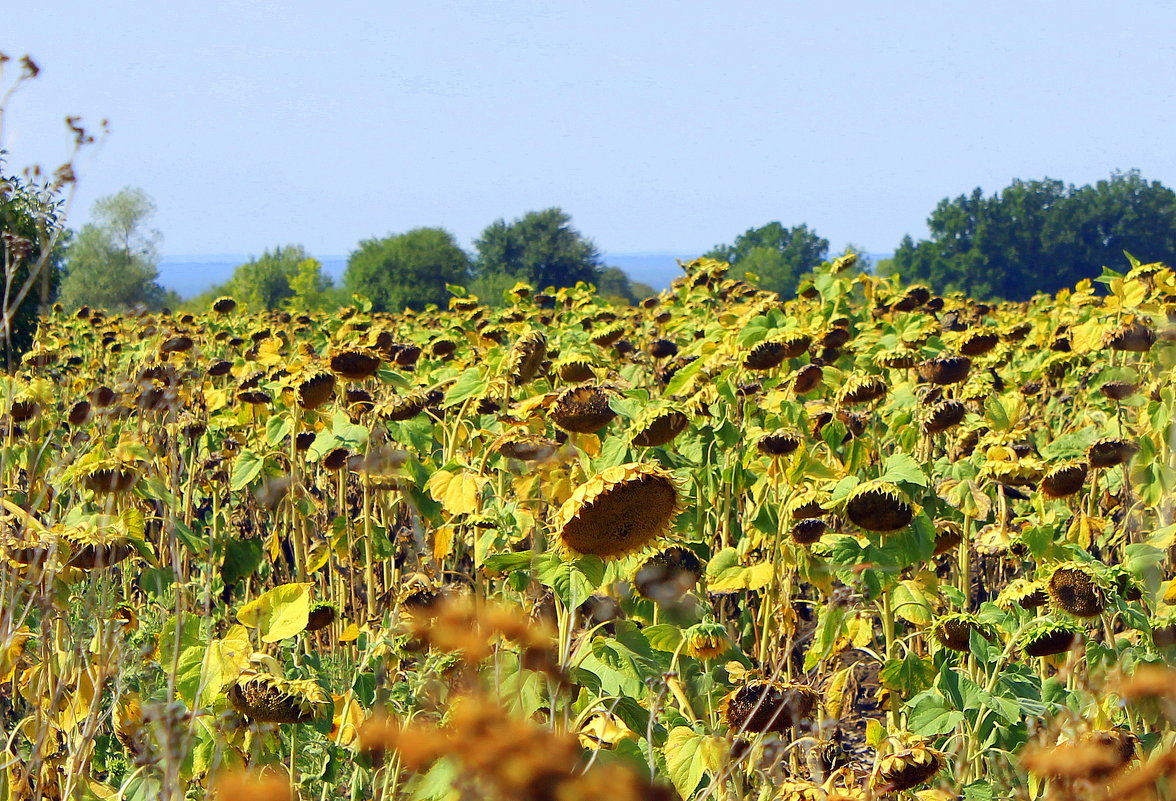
(280,613)
(320,554)
(443,542)
(835,694)
(223,663)
(590,444)
(1088,336)
(215,399)
(458,493)
(604,731)
(350,634)
(346,721)
(759,576)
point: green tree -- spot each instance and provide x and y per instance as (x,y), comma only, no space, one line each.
(112,262)
(284,276)
(408,270)
(779,256)
(615,284)
(541,248)
(31,237)
(1040,236)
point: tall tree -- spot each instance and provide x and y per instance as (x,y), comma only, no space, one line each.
(408,270)
(276,278)
(113,261)
(779,256)
(31,237)
(541,247)
(1040,236)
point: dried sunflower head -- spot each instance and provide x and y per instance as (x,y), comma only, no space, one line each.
(762,705)
(1076,588)
(1064,480)
(908,768)
(658,427)
(860,388)
(945,369)
(315,390)
(619,511)
(954,631)
(524,359)
(1048,636)
(879,506)
(322,614)
(575,369)
(780,442)
(355,365)
(269,699)
(95,546)
(1023,593)
(668,575)
(582,409)
(1111,451)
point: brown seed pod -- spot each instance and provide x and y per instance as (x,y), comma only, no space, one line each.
(268,699)
(1118,390)
(304,440)
(765,355)
(583,409)
(807,379)
(908,768)
(322,614)
(1064,480)
(944,415)
(668,575)
(224,305)
(110,480)
(403,407)
(948,535)
(607,336)
(95,549)
(619,511)
(762,705)
(660,429)
(778,443)
(575,370)
(955,631)
(878,506)
(524,359)
(527,448)
(316,390)
(1133,337)
(861,389)
(808,530)
(945,369)
(661,349)
(1046,637)
(79,413)
(1111,451)
(977,342)
(355,365)
(1023,593)
(1072,588)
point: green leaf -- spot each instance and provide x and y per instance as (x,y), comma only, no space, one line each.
(908,676)
(470,384)
(929,715)
(277,429)
(682,377)
(909,601)
(571,581)
(901,468)
(830,627)
(663,637)
(246,467)
(190,648)
(279,613)
(979,791)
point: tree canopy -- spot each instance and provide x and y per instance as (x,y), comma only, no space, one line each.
(284,276)
(1040,236)
(408,270)
(541,248)
(779,256)
(31,250)
(112,262)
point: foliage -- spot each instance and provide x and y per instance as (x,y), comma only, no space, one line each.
(615,284)
(112,262)
(540,248)
(1040,236)
(31,249)
(283,277)
(409,270)
(778,256)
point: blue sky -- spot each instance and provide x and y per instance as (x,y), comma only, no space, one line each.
(660,126)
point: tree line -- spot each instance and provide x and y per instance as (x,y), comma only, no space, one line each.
(1032,236)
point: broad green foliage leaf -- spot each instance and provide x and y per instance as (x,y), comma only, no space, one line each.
(183,655)
(470,384)
(279,613)
(901,468)
(246,467)
(908,676)
(277,429)
(830,628)
(663,637)
(910,602)
(689,756)
(725,574)
(929,715)
(571,580)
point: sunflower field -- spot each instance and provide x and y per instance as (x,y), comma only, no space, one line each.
(867,543)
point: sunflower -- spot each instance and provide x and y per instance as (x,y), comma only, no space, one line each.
(582,409)
(765,355)
(705,640)
(527,448)
(575,369)
(762,705)
(778,443)
(608,335)
(1118,390)
(659,428)
(879,506)
(1023,593)
(944,415)
(955,631)
(524,359)
(315,390)
(908,768)
(94,547)
(1048,636)
(322,614)
(1075,588)
(1133,337)
(861,389)
(948,535)
(403,407)
(224,305)
(269,699)
(808,530)
(976,342)
(807,379)
(945,369)
(668,575)
(1064,480)
(1111,451)
(355,365)
(618,511)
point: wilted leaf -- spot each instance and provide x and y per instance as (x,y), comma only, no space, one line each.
(279,613)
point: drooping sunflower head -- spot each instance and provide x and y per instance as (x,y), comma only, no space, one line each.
(1023,593)
(763,705)
(575,369)
(861,388)
(1111,451)
(224,305)
(945,369)
(524,359)
(705,640)
(948,534)
(1064,480)
(315,390)
(619,511)
(658,427)
(322,614)
(780,442)
(908,768)
(808,530)
(96,545)
(1047,636)
(1076,588)
(954,631)
(668,575)
(879,506)
(269,699)
(582,409)
(806,502)
(943,415)
(1133,337)
(977,341)
(355,365)
(765,355)
(402,407)
(527,447)
(807,379)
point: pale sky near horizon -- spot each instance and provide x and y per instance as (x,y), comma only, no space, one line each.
(659,126)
